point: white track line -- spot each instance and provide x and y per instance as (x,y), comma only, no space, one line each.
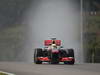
(7,73)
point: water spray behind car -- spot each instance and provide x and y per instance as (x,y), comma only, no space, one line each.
(54,18)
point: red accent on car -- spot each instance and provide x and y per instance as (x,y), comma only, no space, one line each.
(55,51)
(58,42)
(67,59)
(43,59)
(47,42)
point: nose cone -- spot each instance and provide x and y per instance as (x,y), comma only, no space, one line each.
(55,51)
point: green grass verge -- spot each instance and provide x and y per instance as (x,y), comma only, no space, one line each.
(3,74)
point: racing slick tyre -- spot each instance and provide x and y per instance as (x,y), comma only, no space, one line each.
(37,53)
(70,54)
(63,53)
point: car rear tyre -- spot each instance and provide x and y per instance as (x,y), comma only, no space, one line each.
(71,54)
(37,53)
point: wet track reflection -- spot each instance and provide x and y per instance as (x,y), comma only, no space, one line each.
(48,69)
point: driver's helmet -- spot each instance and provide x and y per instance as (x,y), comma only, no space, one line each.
(54,46)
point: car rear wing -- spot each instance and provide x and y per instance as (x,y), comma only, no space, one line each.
(49,42)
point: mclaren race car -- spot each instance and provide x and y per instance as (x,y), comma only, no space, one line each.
(53,53)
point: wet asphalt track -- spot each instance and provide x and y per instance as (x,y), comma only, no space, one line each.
(47,69)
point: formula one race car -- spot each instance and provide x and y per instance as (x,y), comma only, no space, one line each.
(53,53)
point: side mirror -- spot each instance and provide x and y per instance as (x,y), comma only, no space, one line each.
(61,46)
